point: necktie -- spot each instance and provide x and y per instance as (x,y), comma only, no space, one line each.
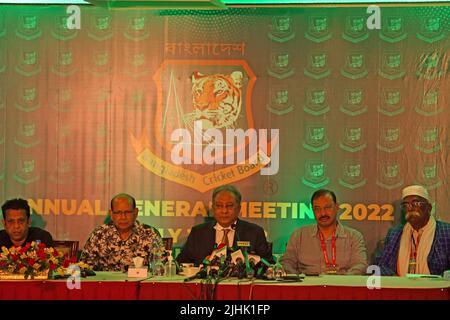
(225,237)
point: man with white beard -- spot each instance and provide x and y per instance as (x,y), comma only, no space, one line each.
(422,244)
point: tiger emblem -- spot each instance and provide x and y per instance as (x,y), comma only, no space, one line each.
(216,100)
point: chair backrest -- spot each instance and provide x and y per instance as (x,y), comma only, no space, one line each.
(67,246)
(168,243)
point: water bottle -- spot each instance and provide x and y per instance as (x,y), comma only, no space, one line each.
(170,268)
(156,266)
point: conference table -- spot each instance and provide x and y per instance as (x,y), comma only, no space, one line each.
(117,286)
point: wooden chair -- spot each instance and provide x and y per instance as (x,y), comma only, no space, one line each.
(67,246)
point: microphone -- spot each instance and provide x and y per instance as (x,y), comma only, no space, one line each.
(199,275)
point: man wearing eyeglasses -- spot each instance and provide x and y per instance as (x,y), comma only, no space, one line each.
(113,245)
(326,247)
(422,244)
(225,230)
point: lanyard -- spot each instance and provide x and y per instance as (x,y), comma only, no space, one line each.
(333,249)
(414,246)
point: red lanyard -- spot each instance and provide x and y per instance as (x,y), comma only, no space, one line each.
(333,249)
(414,247)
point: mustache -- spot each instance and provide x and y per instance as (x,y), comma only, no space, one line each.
(410,214)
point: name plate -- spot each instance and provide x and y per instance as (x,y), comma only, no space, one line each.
(243,243)
(137,272)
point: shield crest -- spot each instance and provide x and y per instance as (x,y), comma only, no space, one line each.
(389,140)
(353,102)
(29,95)
(280,103)
(138,28)
(316,101)
(432,24)
(390,104)
(27,99)
(428,176)
(392,30)
(281,29)
(136,63)
(315,176)
(100,28)
(429,172)
(392,97)
(28,27)
(354,66)
(318,61)
(26,171)
(281,60)
(317,97)
(26,135)
(317,66)
(101,63)
(391,66)
(391,171)
(64,64)
(355,61)
(281,97)
(29,64)
(431,30)
(355,29)
(220,94)
(394,25)
(433,65)
(390,175)
(29,129)
(316,139)
(60,31)
(353,139)
(355,97)
(429,140)
(352,175)
(318,29)
(353,134)
(353,171)
(280,65)
(393,60)
(431,98)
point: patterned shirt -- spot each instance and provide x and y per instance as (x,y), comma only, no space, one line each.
(106,251)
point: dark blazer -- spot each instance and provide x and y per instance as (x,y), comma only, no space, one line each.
(201,241)
(438,259)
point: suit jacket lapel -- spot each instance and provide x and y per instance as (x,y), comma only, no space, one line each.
(237,233)
(211,237)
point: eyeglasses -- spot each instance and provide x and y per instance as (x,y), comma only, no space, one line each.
(412,205)
(127,213)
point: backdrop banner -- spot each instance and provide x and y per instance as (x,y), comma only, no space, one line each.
(167,105)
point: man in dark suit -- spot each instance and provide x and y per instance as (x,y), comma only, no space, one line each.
(226,229)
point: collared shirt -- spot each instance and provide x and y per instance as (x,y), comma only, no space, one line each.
(304,253)
(219,234)
(106,251)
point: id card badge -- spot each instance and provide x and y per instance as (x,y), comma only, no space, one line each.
(331,270)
